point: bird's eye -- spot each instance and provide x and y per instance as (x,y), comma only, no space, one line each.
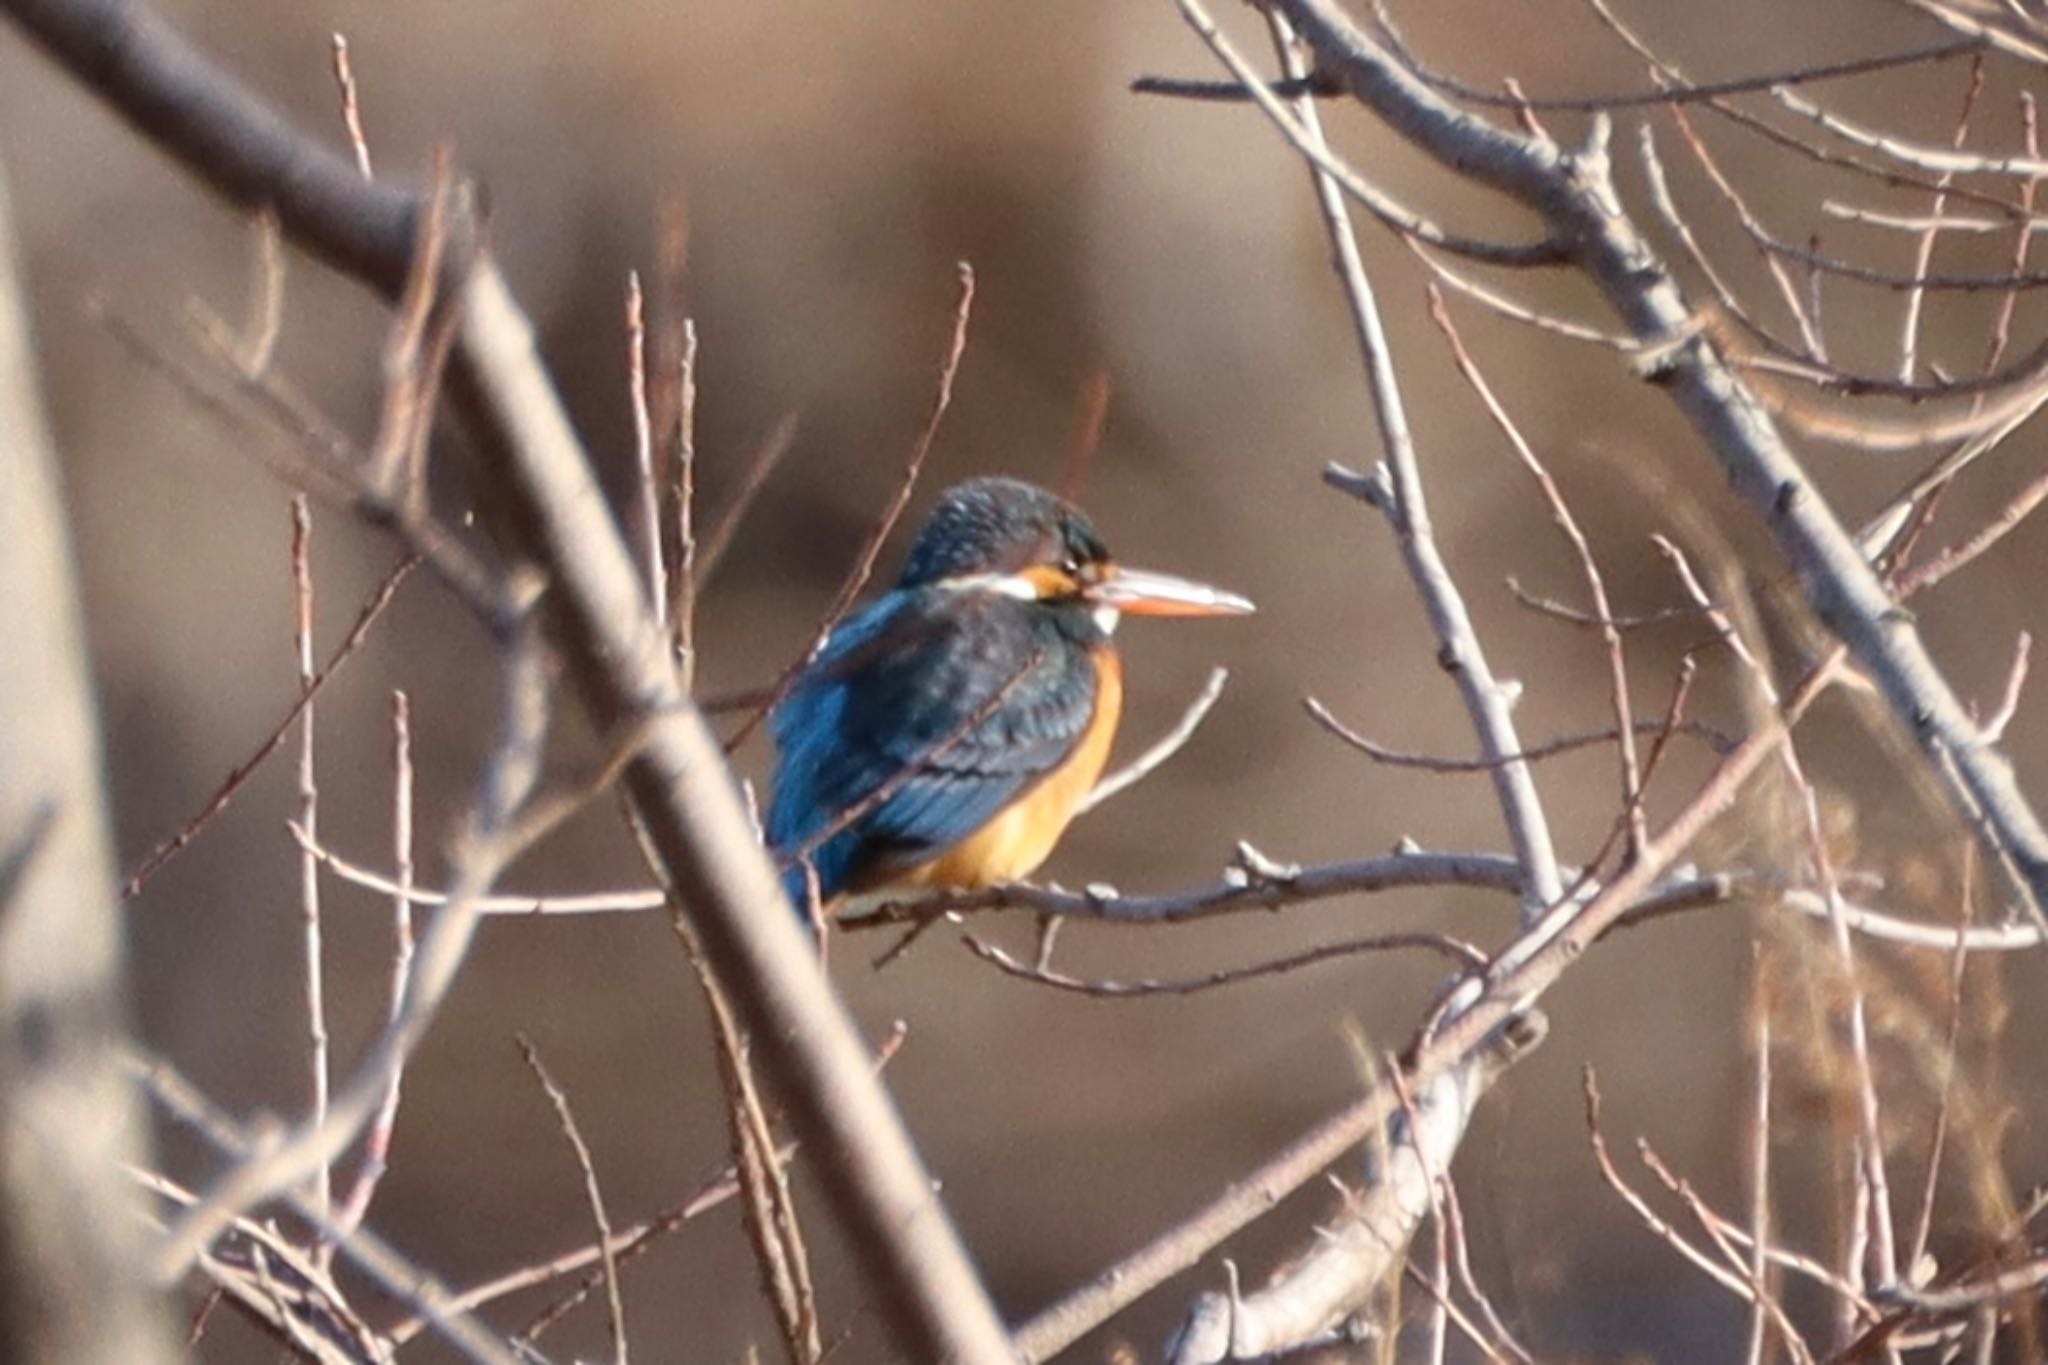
(1071,567)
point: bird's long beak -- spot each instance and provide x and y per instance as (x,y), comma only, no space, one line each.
(1144,593)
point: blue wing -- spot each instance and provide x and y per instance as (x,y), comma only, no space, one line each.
(883,705)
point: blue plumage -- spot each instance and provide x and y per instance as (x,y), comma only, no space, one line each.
(884,705)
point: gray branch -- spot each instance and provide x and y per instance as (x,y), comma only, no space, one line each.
(71,1281)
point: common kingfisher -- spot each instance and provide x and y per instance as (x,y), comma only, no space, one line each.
(947,732)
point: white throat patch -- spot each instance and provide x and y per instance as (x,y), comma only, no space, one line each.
(1012,585)
(1019,588)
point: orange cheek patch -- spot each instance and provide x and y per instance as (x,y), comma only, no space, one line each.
(1050,580)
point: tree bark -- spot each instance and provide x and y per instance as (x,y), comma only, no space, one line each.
(71,1287)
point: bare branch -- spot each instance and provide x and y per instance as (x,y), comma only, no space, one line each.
(1732,1280)
(1164,748)
(647,529)
(761,463)
(1673,92)
(1631,776)
(351,108)
(1397,492)
(308,817)
(1372,1234)
(1920,156)
(1563,744)
(567,1118)
(377,1145)
(393,1273)
(1040,974)
(878,535)
(373,607)
(1301,130)
(480,852)
(682,586)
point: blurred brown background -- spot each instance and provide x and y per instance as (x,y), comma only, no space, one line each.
(837,160)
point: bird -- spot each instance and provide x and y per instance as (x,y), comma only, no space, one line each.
(946,733)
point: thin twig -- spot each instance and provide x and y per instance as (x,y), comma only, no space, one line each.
(377,1143)
(1871,1141)
(1714,739)
(1452,1247)
(714,1190)
(1923,157)
(1909,346)
(2015,682)
(1681,91)
(266,296)
(351,108)
(1721,1231)
(1574,616)
(871,551)
(1164,748)
(1521,312)
(416,351)
(1453,1214)
(558,1098)
(1954,557)
(1795,304)
(2003,35)
(1040,974)
(683,470)
(308,819)
(768,1208)
(1804,147)
(759,464)
(278,1287)
(373,607)
(1302,131)
(1089,420)
(1665,206)
(1438,1329)
(1759,1041)
(647,530)
(1596,586)
(1398,495)
(1520,975)
(309,454)
(1733,1280)
(407,1283)
(1923,1225)
(1396,490)
(1578,200)
(479,853)
(2023,232)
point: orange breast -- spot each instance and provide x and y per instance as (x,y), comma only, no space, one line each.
(1020,838)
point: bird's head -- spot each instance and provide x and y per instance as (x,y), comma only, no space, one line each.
(1015,539)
